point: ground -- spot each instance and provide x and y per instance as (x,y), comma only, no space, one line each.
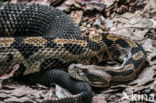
(135,19)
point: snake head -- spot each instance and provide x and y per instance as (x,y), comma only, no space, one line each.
(88,73)
(77,72)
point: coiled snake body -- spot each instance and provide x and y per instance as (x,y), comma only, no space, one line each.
(40,38)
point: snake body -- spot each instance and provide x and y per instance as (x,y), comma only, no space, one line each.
(40,38)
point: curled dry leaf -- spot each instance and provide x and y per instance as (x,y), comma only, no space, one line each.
(61,92)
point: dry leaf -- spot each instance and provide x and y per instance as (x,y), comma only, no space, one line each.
(77,16)
(61,92)
(17,92)
(99,99)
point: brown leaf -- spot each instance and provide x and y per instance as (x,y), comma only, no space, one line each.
(99,99)
(77,16)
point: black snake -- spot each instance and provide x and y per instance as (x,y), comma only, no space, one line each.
(40,38)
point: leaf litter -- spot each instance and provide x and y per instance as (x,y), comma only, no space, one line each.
(135,19)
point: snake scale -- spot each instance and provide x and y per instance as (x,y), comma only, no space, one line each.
(42,39)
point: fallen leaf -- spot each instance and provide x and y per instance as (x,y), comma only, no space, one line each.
(77,16)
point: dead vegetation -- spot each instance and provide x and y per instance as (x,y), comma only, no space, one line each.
(135,19)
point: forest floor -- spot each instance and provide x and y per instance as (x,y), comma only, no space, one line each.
(135,19)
